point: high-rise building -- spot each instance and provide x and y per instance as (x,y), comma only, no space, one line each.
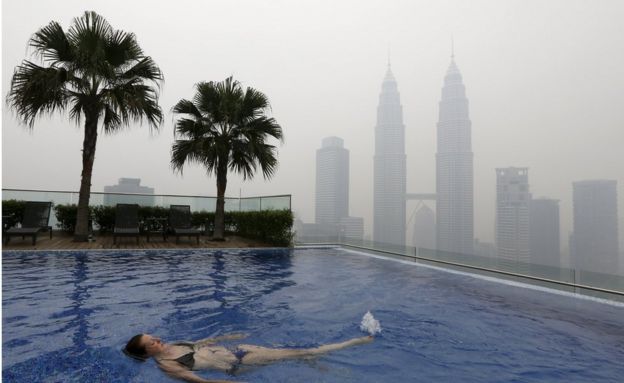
(454,168)
(544,232)
(389,166)
(332,195)
(352,227)
(595,238)
(332,181)
(512,218)
(424,228)
(125,190)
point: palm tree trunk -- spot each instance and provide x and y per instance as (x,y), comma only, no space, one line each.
(219,224)
(81,233)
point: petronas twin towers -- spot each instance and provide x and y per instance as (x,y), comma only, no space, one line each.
(389,166)
(454,167)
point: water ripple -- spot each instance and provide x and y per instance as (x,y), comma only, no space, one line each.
(67,314)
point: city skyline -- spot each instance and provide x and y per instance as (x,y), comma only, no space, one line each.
(543,93)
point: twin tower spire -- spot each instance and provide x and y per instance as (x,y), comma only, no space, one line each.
(454,166)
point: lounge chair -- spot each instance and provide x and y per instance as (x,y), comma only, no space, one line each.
(36,218)
(126,221)
(180,222)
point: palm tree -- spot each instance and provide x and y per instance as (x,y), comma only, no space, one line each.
(95,71)
(225,128)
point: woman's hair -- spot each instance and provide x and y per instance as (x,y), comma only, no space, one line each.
(135,349)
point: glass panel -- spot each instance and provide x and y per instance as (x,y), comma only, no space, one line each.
(486,265)
(197,203)
(250,204)
(275,203)
(112,199)
(605,281)
(232,204)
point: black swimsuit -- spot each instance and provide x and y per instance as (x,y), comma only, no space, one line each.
(188,359)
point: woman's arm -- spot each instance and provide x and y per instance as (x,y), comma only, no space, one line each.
(174,370)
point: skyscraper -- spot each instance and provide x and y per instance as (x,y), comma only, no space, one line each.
(122,193)
(595,238)
(544,228)
(512,217)
(454,168)
(351,228)
(389,166)
(332,181)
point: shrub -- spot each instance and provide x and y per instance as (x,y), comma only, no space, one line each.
(14,208)
(273,227)
(203,219)
(66,216)
(152,211)
(270,226)
(104,217)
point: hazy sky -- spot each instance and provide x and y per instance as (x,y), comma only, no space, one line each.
(545,80)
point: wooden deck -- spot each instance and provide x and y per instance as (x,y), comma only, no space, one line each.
(64,241)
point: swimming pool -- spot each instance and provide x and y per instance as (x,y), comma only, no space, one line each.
(66,315)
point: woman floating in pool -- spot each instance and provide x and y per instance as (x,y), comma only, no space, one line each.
(179,359)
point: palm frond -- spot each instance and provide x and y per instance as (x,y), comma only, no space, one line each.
(254,104)
(187,107)
(208,100)
(112,121)
(146,69)
(122,47)
(79,102)
(36,90)
(89,35)
(192,151)
(133,102)
(242,159)
(51,44)
(264,126)
(89,25)
(193,129)
(266,156)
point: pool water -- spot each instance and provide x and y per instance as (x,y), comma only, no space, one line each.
(66,316)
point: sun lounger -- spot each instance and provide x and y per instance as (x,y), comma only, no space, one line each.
(36,218)
(180,222)
(126,221)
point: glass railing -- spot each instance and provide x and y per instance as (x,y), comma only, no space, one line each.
(602,285)
(197,203)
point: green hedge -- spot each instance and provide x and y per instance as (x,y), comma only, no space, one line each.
(270,226)
(104,217)
(14,208)
(66,216)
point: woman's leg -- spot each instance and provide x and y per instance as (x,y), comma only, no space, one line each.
(264,355)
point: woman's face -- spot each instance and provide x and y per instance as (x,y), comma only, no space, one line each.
(152,344)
